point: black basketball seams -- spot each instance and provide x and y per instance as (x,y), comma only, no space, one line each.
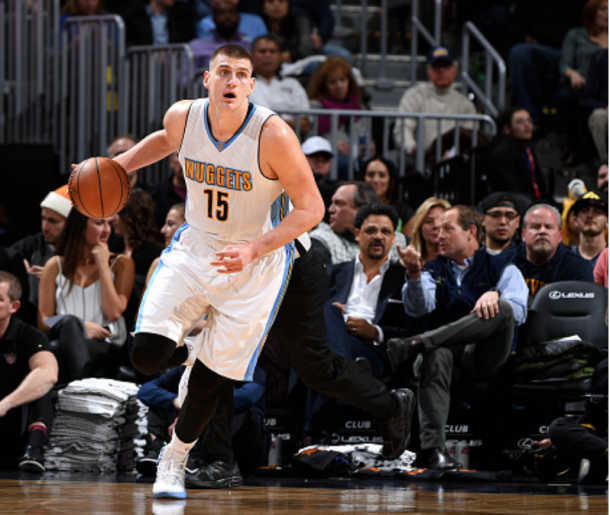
(124,181)
(80,199)
(99,181)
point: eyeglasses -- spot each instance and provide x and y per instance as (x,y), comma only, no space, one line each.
(496,215)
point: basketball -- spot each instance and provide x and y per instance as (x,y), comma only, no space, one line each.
(99,187)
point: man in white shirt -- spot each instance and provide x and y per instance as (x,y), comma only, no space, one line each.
(273,91)
(364,307)
(436,96)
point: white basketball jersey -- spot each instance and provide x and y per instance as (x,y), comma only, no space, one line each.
(228,197)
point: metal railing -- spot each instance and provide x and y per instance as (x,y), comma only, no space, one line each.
(486,98)
(93,95)
(29,85)
(377,125)
(418,27)
(157,77)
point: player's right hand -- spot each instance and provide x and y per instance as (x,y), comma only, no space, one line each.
(233,258)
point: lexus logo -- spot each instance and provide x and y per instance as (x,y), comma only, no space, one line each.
(556,295)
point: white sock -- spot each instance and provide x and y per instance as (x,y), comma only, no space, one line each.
(179,447)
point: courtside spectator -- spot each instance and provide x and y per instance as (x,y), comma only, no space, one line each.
(28,371)
(591,211)
(472,302)
(501,221)
(542,258)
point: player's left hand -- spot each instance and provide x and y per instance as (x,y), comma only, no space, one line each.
(487,305)
(360,327)
(233,258)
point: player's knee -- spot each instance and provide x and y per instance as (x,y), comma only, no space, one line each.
(150,352)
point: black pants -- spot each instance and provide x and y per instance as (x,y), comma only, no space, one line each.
(300,326)
(14,427)
(577,441)
(78,357)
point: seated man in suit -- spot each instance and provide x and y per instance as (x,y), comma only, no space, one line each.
(471,302)
(364,306)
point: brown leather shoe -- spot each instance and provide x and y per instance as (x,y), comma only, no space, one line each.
(436,458)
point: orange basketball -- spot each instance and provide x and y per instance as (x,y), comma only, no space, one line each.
(99,188)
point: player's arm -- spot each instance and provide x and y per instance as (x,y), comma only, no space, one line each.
(40,379)
(281,158)
(284,159)
(159,144)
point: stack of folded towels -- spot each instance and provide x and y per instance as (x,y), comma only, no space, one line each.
(98,427)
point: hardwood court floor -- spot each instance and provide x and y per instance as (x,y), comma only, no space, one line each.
(104,495)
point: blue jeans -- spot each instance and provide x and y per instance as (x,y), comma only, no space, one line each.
(528,65)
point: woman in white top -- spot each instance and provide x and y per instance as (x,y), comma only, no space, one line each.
(89,288)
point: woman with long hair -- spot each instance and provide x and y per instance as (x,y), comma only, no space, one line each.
(426,225)
(381,174)
(84,291)
(333,86)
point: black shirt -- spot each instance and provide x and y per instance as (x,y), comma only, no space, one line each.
(20,342)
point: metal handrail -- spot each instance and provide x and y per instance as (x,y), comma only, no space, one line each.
(92,55)
(387,120)
(417,26)
(491,57)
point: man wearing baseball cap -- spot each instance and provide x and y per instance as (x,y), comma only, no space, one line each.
(38,248)
(501,220)
(436,96)
(591,212)
(319,153)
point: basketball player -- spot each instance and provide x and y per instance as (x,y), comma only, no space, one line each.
(232,259)
(151,353)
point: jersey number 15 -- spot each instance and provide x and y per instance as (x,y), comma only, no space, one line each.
(218,205)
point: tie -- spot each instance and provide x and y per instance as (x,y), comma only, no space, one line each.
(531,166)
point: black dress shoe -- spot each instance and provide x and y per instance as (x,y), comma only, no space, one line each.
(217,474)
(401,349)
(436,458)
(364,365)
(396,431)
(32,460)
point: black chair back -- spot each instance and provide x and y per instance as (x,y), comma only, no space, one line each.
(568,308)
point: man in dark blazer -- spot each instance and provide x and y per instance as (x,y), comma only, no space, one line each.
(514,166)
(364,307)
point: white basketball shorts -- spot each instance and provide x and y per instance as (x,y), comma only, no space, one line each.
(241,307)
